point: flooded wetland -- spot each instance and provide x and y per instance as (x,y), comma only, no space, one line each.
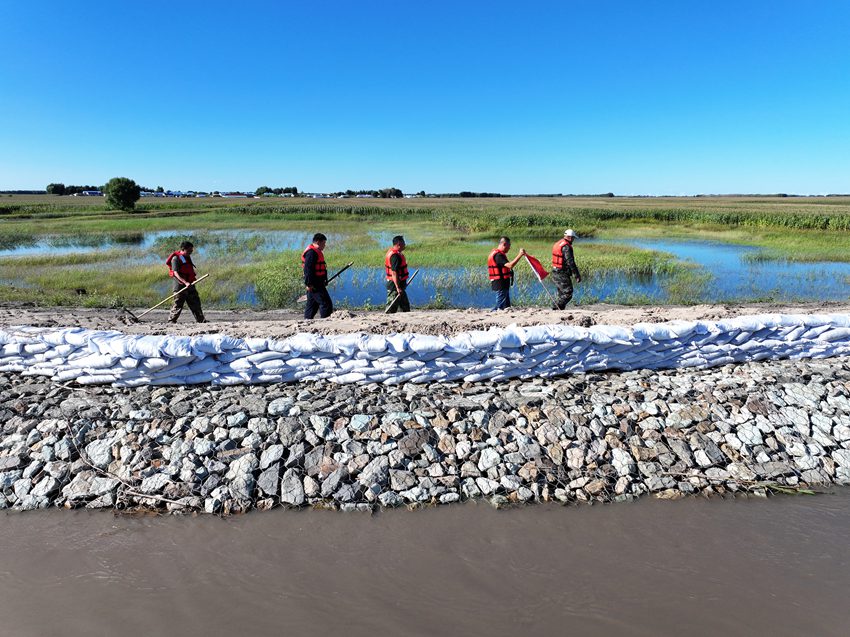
(632,252)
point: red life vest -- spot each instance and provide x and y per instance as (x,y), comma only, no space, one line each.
(402,270)
(185,267)
(558,255)
(497,272)
(321,270)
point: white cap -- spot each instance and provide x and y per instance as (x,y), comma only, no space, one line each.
(569,233)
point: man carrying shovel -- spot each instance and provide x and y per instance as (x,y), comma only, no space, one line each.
(316,279)
(181,268)
(396,270)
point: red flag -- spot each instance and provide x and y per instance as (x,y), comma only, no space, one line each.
(538,268)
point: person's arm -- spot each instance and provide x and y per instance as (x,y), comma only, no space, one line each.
(310,260)
(510,264)
(395,264)
(570,261)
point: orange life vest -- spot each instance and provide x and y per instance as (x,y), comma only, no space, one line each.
(321,270)
(558,254)
(402,270)
(497,272)
(185,267)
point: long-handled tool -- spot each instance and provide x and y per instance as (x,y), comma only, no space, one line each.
(303,297)
(403,292)
(195,282)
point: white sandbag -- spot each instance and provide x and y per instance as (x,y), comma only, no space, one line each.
(425,344)
(373,343)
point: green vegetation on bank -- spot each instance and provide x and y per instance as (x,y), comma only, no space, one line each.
(442,233)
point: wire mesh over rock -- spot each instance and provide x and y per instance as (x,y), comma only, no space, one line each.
(753,428)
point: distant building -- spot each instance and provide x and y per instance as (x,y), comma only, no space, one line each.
(89,193)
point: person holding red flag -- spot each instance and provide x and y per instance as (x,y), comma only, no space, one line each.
(563,266)
(501,273)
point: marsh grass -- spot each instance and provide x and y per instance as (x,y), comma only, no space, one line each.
(441,233)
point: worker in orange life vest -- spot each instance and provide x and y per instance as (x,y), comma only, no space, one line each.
(181,268)
(395,266)
(501,273)
(564,265)
(316,278)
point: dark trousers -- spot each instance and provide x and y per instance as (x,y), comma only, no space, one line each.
(318,301)
(403,304)
(189,296)
(503,298)
(564,285)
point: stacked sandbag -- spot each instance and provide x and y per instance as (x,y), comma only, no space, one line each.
(111,357)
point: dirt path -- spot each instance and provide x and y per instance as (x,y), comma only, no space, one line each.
(282,323)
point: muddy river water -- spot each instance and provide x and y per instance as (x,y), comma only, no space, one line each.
(690,567)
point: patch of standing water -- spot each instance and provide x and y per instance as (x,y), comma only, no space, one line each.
(163,240)
(737,277)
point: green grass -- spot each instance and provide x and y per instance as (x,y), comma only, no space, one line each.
(447,233)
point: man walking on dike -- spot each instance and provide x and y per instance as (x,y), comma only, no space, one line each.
(396,269)
(316,279)
(181,268)
(564,265)
(501,272)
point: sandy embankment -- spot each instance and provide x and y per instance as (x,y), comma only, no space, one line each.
(283,323)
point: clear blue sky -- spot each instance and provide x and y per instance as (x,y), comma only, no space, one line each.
(669,97)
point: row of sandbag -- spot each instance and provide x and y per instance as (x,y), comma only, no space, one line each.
(98,357)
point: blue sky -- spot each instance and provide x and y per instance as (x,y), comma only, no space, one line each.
(572,96)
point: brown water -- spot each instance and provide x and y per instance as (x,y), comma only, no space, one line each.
(691,567)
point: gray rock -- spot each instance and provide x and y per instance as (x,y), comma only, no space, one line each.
(360,422)
(8,463)
(280,407)
(411,444)
(155,483)
(332,482)
(489,458)
(45,487)
(376,471)
(99,453)
(401,480)
(87,485)
(623,462)
(271,455)
(268,482)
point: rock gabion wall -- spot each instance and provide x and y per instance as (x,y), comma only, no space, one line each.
(735,429)
(106,357)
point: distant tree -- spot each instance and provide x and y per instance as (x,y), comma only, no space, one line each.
(259,192)
(421,193)
(121,193)
(55,189)
(160,189)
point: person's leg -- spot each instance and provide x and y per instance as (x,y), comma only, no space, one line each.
(312,305)
(176,307)
(503,299)
(404,303)
(326,306)
(193,300)
(567,293)
(565,289)
(391,297)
